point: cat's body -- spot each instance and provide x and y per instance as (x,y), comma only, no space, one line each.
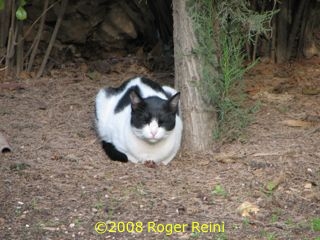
(139,121)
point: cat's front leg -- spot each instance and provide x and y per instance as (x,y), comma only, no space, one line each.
(113,153)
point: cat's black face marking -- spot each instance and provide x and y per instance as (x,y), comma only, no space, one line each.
(153,108)
(155,86)
(114,91)
(125,100)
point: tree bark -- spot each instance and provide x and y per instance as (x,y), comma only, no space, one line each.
(297,19)
(198,120)
(283,24)
(310,31)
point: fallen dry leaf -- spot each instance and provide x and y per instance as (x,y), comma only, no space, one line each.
(246,209)
(310,91)
(204,162)
(271,97)
(274,183)
(297,123)
(11,86)
(24,75)
(2,221)
(227,158)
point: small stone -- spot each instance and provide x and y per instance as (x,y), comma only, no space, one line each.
(308,186)
(71,225)
(94,210)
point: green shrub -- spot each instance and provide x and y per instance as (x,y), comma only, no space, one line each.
(222,29)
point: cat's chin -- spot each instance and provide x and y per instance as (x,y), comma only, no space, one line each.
(153,140)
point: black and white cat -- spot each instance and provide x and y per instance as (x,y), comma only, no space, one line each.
(139,121)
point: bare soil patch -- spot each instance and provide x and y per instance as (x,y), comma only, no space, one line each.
(57,183)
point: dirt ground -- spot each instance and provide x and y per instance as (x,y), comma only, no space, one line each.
(57,183)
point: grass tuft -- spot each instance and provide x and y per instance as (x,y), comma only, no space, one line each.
(315,224)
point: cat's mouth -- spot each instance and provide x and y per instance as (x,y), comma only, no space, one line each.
(153,140)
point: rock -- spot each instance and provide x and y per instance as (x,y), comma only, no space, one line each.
(122,22)
(75,30)
(72,225)
(94,210)
(307,186)
(93,13)
(310,49)
(98,28)
(117,27)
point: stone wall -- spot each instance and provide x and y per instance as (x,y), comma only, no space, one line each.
(94,28)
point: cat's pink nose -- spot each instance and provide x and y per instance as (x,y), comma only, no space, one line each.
(154,133)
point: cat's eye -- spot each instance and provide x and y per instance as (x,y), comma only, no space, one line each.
(147,118)
(160,122)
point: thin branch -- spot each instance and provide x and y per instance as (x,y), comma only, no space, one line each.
(274,37)
(19,52)
(4,24)
(37,39)
(32,25)
(53,37)
(255,46)
(11,39)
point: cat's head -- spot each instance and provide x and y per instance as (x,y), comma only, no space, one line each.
(153,118)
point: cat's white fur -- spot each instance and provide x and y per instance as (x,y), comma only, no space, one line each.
(153,143)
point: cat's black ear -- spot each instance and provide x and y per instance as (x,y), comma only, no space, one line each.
(135,99)
(174,102)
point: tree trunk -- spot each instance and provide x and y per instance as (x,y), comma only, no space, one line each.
(198,120)
(296,24)
(283,24)
(309,42)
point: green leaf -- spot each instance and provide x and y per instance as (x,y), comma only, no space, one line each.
(22,3)
(21,13)
(1,4)
(219,190)
(271,186)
